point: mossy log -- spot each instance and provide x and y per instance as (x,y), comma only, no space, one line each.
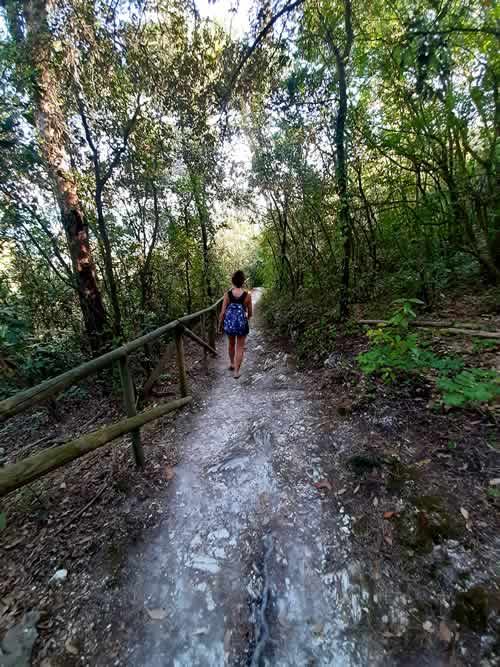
(23,472)
(429,324)
(26,399)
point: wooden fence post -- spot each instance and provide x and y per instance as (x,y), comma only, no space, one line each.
(212,328)
(204,336)
(181,362)
(130,409)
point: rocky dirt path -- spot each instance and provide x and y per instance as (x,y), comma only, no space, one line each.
(247,568)
(313,518)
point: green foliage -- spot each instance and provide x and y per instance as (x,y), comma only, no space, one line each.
(13,329)
(484,345)
(471,386)
(316,339)
(47,357)
(297,318)
(3,521)
(404,314)
(393,349)
(27,358)
(393,352)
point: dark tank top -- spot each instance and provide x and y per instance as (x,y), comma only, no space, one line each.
(240,299)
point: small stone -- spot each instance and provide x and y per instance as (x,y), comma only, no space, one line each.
(70,647)
(59,577)
(428,627)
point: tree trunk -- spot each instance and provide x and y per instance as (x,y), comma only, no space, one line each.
(51,125)
(199,198)
(341,60)
(189,299)
(341,177)
(108,263)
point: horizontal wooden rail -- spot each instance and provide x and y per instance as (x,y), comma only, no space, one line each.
(26,399)
(23,472)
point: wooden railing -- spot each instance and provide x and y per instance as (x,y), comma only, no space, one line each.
(27,470)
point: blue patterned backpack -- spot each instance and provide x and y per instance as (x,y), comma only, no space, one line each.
(235,317)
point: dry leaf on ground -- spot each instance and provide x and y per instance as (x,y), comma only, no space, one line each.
(323,484)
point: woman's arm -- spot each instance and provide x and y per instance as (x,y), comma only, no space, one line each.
(249,306)
(223,311)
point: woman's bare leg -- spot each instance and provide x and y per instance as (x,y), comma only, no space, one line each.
(240,351)
(231,349)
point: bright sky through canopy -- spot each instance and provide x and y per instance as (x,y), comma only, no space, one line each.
(233,15)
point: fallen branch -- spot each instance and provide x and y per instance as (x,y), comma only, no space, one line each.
(429,324)
(23,472)
(32,445)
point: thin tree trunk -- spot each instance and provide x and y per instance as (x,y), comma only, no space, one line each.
(341,61)
(108,263)
(341,176)
(187,263)
(203,219)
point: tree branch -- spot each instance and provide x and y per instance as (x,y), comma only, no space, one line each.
(289,7)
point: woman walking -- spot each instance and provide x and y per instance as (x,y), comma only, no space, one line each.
(234,316)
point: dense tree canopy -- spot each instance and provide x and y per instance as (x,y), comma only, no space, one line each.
(374,132)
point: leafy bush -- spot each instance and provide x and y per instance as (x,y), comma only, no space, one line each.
(484,345)
(46,358)
(394,351)
(316,339)
(297,317)
(475,385)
